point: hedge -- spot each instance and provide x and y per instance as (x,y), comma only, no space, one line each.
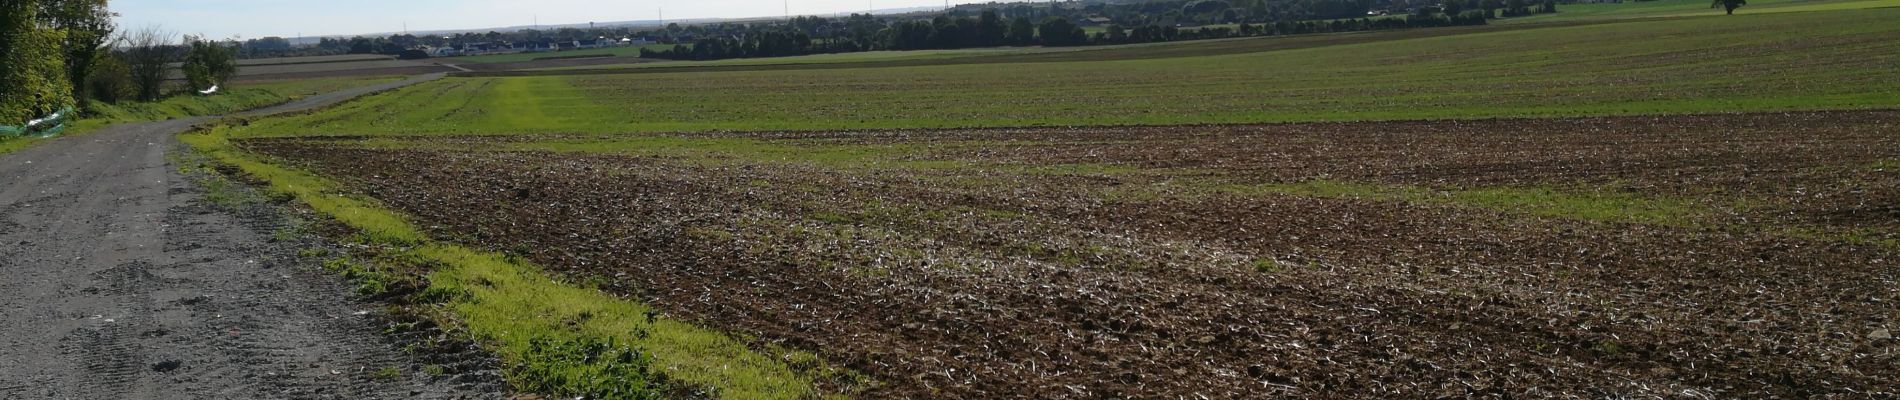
(34,82)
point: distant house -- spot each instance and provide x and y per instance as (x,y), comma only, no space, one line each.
(534,46)
(1095,21)
(445,52)
(480,48)
(600,43)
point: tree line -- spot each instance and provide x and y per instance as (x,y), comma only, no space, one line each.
(69,53)
(965,26)
(996,27)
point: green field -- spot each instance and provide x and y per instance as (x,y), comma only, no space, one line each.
(820,58)
(631,51)
(1821,60)
(1690,8)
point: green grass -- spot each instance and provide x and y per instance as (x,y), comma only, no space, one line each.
(242,96)
(15,144)
(238,97)
(1599,206)
(629,51)
(828,58)
(1788,61)
(556,338)
(1687,8)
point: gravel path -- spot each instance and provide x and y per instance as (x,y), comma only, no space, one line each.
(123,281)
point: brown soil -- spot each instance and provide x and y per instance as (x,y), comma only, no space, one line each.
(1004,280)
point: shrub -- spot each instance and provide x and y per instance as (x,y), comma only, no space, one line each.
(110,80)
(33,84)
(210,64)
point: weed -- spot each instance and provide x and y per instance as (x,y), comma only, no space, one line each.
(1266,265)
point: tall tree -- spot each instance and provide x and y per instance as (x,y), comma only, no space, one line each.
(1022,32)
(147,52)
(1058,31)
(1729,5)
(88,27)
(990,28)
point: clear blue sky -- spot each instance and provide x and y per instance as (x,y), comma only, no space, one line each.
(259,18)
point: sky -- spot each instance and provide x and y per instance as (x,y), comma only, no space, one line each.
(259,18)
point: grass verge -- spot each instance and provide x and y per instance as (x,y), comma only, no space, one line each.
(243,97)
(556,338)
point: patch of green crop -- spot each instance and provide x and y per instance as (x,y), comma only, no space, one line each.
(1266,265)
(1549,202)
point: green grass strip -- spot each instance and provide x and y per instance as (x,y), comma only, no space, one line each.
(556,338)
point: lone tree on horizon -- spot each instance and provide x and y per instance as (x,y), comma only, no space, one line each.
(1730,5)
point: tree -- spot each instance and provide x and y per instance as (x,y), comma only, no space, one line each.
(147,51)
(88,27)
(33,83)
(990,29)
(1058,31)
(1022,32)
(1729,5)
(362,46)
(209,63)
(1199,7)
(110,80)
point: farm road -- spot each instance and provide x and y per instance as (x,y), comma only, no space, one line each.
(119,280)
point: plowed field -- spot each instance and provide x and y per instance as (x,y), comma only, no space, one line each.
(1720,256)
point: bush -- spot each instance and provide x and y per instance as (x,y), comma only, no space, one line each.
(33,84)
(111,80)
(210,64)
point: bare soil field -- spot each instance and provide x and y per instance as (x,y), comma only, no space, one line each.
(1714,256)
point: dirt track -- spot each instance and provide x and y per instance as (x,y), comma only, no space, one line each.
(123,281)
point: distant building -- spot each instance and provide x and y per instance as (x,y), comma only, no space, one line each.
(1095,21)
(481,48)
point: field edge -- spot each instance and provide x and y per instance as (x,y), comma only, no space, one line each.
(554,337)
